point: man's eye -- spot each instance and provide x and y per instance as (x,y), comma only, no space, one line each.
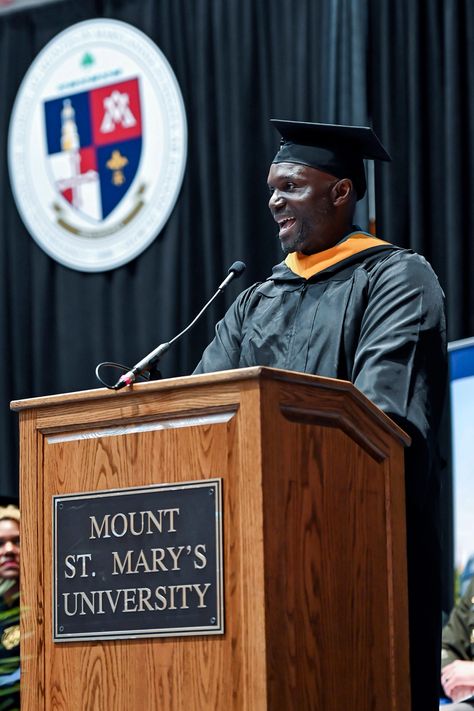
(290,186)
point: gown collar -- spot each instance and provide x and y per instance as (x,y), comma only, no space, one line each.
(307,265)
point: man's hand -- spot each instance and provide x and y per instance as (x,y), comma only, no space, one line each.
(457,679)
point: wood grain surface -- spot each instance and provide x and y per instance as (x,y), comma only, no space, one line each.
(314,543)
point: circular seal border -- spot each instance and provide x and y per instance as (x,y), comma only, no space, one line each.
(119,242)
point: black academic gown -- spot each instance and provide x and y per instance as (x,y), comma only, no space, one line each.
(375,318)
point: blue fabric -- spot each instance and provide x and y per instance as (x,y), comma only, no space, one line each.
(6,679)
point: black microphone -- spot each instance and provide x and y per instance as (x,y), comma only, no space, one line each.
(146,363)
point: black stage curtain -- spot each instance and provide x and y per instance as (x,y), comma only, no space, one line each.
(403,66)
(422,102)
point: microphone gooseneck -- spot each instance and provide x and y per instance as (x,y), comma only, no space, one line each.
(145,364)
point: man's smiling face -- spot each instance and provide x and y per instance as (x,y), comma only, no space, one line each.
(302,205)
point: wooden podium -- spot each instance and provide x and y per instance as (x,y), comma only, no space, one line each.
(314,542)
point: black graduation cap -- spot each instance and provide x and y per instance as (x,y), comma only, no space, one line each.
(338,150)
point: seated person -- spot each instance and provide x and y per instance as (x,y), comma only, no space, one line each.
(9,607)
(457,654)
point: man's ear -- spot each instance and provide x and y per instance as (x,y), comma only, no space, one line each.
(342,192)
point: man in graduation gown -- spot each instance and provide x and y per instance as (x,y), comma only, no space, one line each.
(346,305)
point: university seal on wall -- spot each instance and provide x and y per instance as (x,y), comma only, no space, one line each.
(97,145)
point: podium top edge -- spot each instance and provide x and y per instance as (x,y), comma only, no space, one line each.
(256,373)
(223,376)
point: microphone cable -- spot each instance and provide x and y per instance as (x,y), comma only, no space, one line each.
(143,367)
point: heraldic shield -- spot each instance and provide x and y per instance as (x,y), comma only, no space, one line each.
(94,143)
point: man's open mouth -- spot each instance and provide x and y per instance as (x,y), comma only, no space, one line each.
(285,224)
